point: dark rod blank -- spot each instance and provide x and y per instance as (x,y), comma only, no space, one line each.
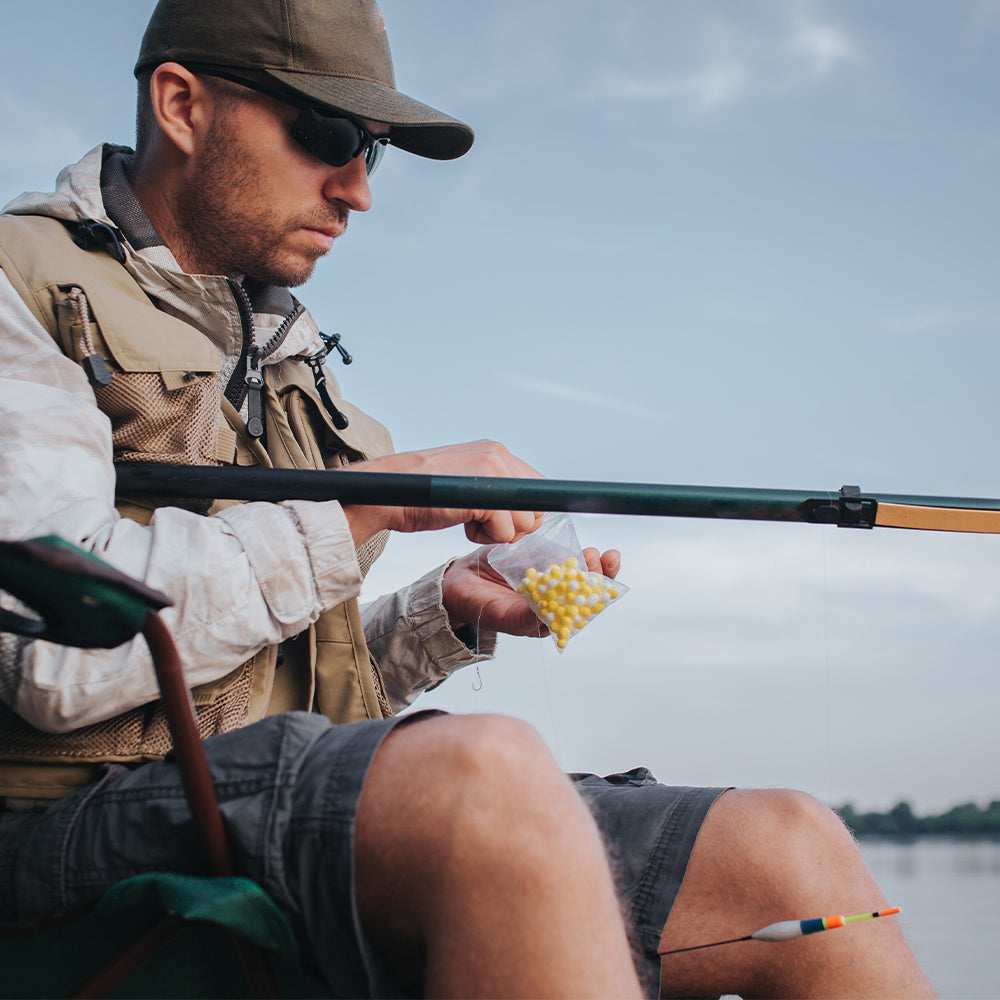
(475,492)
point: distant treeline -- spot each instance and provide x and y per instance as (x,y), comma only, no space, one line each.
(968,820)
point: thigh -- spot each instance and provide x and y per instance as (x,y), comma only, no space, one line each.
(649,830)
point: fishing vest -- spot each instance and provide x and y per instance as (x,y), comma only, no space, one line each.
(165,404)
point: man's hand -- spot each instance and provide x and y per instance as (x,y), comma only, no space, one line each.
(478,458)
(476,595)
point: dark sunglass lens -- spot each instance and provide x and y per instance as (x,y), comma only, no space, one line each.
(333,140)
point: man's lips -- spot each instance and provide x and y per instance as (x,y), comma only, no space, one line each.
(323,238)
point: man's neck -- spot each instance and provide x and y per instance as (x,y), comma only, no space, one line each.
(154,188)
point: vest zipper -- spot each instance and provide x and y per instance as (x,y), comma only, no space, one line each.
(255,388)
(247,380)
(278,337)
(236,388)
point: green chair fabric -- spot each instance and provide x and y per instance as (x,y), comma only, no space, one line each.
(201,961)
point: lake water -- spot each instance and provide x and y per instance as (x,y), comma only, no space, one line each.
(950,894)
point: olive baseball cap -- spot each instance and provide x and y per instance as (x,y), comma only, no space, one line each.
(333,52)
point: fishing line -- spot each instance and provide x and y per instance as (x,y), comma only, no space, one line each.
(478,684)
(550,711)
(826,671)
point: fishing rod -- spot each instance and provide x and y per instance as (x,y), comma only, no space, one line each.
(846,508)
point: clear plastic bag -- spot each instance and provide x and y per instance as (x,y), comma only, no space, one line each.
(548,568)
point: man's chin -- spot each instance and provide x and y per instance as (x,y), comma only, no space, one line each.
(290,273)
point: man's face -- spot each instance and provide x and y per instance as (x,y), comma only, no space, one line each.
(255,203)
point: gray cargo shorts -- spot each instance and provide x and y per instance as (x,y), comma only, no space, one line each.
(289,788)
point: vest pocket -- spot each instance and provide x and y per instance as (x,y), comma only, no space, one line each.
(171,416)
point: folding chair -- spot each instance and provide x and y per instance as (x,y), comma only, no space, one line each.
(162,934)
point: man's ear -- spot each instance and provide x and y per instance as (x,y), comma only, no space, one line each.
(182,105)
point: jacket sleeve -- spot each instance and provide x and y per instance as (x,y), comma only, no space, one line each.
(409,634)
(253,575)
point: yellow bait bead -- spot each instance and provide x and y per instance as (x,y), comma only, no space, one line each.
(566,596)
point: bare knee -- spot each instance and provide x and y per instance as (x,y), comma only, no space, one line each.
(490,749)
(783,846)
(784,816)
(450,789)
(453,763)
(500,798)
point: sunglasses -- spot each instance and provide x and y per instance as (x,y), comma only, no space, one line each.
(333,138)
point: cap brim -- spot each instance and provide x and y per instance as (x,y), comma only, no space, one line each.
(413,126)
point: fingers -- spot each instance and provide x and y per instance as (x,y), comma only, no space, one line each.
(475,458)
(608,563)
(611,561)
(484,458)
(488,526)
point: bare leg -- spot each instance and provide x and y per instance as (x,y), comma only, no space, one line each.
(764,856)
(477,862)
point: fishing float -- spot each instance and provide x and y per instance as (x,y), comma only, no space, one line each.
(788,930)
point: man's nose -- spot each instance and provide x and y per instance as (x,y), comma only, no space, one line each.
(349,185)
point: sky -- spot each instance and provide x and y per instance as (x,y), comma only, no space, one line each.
(696,242)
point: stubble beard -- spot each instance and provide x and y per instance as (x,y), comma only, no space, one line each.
(228,228)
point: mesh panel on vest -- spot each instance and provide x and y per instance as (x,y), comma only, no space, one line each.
(370,550)
(154,424)
(141,732)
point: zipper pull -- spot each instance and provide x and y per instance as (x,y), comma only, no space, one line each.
(95,367)
(255,386)
(315,362)
(332,342)
(96,371)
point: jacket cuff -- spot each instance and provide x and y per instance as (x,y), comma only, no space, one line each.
(410,635)
(333,558)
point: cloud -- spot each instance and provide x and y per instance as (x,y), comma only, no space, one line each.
(819,48)
(572,394)
(740,59)
(713,85)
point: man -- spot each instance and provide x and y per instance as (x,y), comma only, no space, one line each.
(146,317)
